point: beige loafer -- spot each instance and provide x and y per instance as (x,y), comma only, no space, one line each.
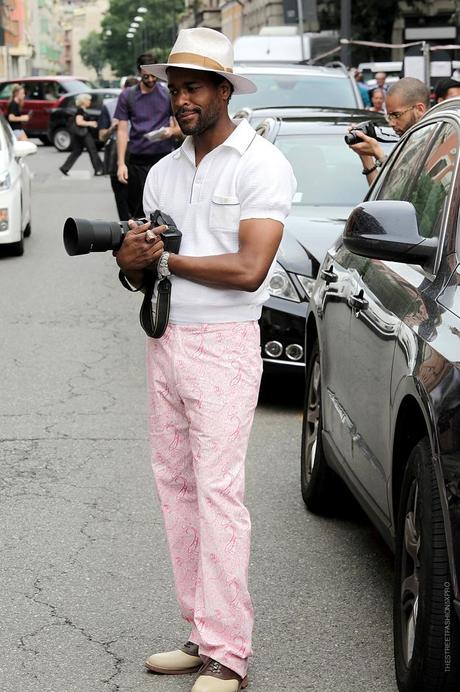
(215,677)
(177,662)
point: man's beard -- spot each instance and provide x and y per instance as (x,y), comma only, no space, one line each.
(202,122)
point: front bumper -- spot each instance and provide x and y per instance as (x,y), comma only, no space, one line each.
(283,322)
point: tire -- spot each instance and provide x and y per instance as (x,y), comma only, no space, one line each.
(28,230)
(17,249)
(426,628)
(62,139)
(322,490)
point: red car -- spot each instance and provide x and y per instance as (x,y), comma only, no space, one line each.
(42,95)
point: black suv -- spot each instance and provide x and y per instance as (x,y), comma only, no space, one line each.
(382,410)
(58,132)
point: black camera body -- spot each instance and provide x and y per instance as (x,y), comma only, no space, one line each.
(386,135)
(82,236)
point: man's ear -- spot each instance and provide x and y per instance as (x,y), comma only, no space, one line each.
(421,108)
(225,90)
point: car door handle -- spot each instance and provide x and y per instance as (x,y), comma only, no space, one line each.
(358,302)
(329,276)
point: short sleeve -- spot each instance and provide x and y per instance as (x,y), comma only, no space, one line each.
(266,187)
(121,111)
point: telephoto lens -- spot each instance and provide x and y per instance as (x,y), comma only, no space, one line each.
(82,236)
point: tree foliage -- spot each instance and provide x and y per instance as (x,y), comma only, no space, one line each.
(156,33)
(92,52)
(372,20)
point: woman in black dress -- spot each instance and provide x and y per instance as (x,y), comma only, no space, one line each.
(16,117)
(82,138)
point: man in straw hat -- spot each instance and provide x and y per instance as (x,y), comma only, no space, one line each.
(229,191)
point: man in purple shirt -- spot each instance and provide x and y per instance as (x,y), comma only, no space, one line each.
(145,107)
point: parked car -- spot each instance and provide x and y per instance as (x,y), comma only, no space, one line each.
(58,129)
(382,411)
(15,185)
(329,184)
(42,95)
(297,85)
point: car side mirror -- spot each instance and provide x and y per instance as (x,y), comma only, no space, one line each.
(23,148)
(388,230)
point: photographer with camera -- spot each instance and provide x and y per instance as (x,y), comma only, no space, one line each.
(407,101)
(229,191)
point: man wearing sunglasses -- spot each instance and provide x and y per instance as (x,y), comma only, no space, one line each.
(407,101)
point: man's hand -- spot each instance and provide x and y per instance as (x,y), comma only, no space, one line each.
(141,248)
(368,147)
(122,173)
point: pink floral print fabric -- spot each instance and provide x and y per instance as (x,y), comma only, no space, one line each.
(203,388)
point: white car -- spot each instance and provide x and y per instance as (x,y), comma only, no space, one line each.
(15,185)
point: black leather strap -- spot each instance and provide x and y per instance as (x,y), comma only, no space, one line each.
(154,322)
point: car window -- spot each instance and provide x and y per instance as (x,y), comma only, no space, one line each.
(319,163)
(76,85)
(50,91)
(8,134)
(432,186)
(400,178)
(296,90)
(422,175)
(5,91)
(34,91)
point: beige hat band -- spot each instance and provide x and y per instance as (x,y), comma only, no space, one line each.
(198,60)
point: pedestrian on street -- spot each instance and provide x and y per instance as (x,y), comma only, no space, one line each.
(407,101)
(447,88)
(378,101)
(108,126)
(81,138)
(16,117)
(363,90)
(142,109)
(229,191)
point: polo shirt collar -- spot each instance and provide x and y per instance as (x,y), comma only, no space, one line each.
(240,139)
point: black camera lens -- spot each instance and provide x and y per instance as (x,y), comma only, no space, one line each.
(82,236)
(351,138)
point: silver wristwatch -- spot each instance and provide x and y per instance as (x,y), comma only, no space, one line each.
(162,266)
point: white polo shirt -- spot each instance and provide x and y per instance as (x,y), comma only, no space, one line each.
(246,177)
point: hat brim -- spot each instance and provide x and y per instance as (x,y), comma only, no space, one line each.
(241,85)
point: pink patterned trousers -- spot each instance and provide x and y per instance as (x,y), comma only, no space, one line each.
(203,387)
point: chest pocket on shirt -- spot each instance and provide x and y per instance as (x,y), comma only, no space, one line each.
(224,213)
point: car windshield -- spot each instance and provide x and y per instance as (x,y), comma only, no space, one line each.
(328,173)
(77,85)
(296,90)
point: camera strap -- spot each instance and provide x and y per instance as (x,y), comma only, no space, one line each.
(155,321)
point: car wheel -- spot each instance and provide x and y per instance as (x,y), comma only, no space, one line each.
(27,230)
(321,487)
(17,249)
(426,630)
(62,139)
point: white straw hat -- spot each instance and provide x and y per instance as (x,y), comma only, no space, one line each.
(207,50)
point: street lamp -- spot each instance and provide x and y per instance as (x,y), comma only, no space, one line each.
(142,10)
(138,18)
(108,32)
(134,25)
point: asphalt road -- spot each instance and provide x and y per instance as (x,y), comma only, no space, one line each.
(86,591)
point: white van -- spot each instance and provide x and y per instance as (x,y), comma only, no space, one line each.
(279,49)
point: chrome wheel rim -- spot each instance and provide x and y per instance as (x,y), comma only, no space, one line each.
(312,415)
(410,570)
(62,140)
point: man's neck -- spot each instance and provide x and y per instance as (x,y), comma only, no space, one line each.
(212,138)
